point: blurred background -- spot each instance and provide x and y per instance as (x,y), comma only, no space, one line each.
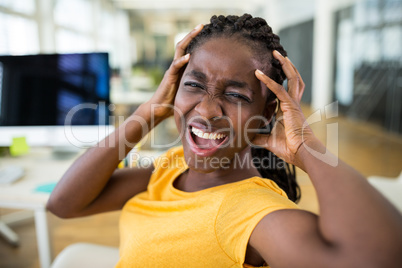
(347,51)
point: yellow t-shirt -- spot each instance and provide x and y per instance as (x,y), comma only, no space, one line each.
(166,227)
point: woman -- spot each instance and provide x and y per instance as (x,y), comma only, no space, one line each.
(205,204)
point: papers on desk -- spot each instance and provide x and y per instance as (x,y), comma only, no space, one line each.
(11,174)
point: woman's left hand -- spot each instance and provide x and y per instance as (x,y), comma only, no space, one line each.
(163,99)
(291,130)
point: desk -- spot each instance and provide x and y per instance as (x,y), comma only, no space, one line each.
(41,167)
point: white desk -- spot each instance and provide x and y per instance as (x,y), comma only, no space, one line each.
(41,168)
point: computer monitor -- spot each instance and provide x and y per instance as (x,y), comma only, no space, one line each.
(55,99)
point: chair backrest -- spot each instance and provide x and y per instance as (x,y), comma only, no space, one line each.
(87,255)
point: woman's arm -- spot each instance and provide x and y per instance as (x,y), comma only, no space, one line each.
(92,184)
(357,226)
(82,189)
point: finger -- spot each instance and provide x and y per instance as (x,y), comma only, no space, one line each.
(171,75)
(295,69)
(279,113)
(276,88)
(301,82)
(291,75)
(260,140)
(177,64)
(182,45)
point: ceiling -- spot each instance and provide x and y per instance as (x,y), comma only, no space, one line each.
(279,13)
(188,4)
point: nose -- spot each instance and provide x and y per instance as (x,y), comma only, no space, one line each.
(209,107)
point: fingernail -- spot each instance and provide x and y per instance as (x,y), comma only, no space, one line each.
(261,73)
(187,56)
(278,52)
(199,26)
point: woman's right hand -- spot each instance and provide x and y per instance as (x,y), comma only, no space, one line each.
(291,131)
(161,103)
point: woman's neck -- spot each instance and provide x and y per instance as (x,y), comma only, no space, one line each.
(241,168)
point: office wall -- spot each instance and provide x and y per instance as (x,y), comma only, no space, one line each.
(298,42)
(368,66)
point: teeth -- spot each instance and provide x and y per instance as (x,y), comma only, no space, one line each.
(207,135)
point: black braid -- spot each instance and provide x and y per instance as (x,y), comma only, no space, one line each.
(272,167)
(257,34)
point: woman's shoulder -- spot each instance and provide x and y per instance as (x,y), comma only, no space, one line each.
(244,205)
(252,197)
(256,187)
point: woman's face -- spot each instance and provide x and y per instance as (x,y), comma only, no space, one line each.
(219,104)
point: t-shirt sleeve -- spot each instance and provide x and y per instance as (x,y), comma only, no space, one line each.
(242,209)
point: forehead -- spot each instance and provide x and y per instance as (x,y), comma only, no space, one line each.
(224,56)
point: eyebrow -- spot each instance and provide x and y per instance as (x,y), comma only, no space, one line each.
(199,75)
(240,85)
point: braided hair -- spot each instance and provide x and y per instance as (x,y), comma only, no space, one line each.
(258,35)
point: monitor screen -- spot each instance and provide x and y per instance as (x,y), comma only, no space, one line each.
(54,90)
(40,90)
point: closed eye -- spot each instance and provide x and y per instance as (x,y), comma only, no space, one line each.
(194,84)
(238,96)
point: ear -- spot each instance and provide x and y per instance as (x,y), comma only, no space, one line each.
(269,111)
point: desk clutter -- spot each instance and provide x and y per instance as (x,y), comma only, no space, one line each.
(10,174)
(45,188)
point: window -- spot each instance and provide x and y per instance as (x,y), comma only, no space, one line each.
(73,34)
(65,26)
(74,14)
(19,6)
(18,35)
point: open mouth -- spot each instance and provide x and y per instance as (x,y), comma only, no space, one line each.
(205,143)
